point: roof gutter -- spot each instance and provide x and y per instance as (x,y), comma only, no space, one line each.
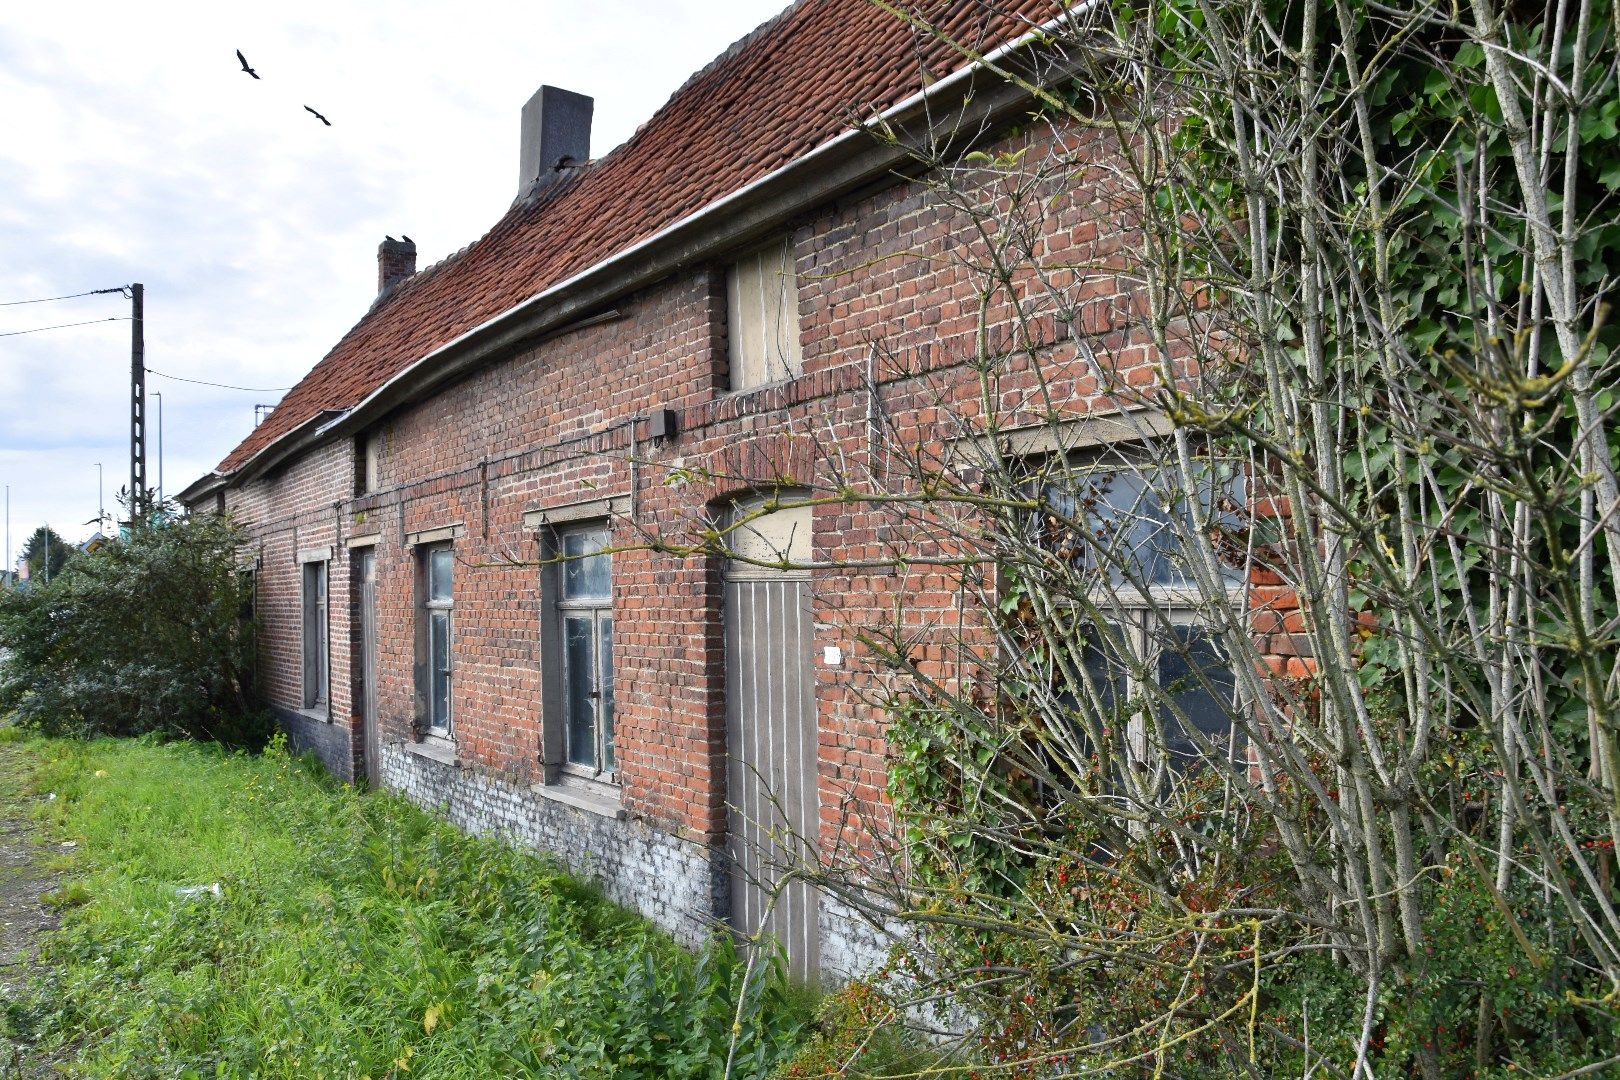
(202,488)
(846,162)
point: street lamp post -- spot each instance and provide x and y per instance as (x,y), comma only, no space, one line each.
(159,395)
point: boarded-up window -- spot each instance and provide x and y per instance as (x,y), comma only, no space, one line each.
(371,451)
(762,317)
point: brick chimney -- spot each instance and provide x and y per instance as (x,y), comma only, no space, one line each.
(556,137)
(396,261)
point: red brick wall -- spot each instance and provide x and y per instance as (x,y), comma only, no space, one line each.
(288,511)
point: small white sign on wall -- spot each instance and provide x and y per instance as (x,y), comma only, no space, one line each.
(832,655)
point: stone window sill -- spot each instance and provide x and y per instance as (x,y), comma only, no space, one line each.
(320,714)
(435,748)
(586,795)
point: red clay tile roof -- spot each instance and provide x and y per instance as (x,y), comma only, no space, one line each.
(777,94)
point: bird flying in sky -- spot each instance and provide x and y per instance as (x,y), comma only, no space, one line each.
(243,61)
(317,116)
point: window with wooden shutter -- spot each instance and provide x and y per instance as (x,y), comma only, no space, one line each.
(762,317)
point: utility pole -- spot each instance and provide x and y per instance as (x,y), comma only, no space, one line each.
(137,402)
(101,500)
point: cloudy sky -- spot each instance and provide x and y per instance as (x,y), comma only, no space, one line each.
(135,149)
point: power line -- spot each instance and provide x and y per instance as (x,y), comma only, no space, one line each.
(64,326)
(70,296)
(221,386)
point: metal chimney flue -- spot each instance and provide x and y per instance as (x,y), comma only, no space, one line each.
(556,137)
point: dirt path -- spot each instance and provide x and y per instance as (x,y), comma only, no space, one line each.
(23,880)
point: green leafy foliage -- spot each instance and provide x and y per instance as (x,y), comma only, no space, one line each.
(355,936)
(1041,911)
(145,634)
(1476,978)
(858,1033)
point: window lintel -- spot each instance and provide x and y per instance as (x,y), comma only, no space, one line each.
(582,510)
(1134,424)
(435,535)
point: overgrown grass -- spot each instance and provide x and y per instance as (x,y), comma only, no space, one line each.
(353,936)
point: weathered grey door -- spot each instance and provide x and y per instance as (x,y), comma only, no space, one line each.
(772,791)
(365,571)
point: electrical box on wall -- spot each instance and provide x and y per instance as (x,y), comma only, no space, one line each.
(662,424)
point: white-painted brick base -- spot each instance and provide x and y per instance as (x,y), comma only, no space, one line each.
(680,885)
(850,945)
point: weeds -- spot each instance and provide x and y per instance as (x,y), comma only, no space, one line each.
(352,936)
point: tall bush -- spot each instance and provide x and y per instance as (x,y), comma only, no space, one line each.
(145,634)
(1347,317)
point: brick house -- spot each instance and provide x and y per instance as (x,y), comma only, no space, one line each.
(690,304)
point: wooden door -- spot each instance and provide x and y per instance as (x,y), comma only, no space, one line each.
(772,776)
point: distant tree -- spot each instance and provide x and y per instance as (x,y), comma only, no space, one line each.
(46,553)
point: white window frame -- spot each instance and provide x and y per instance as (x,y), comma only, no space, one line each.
(428,608)
(762,317)
(1144,617)
(315,641)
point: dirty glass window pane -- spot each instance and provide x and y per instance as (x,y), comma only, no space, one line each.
(440,563)
(1131,520)
(439,662)
(1125,519)
(315,635)
(1196,677)
(1120,526)
(1100,661)
(1104,667)
(579,677)
(604,657)
(586,571)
